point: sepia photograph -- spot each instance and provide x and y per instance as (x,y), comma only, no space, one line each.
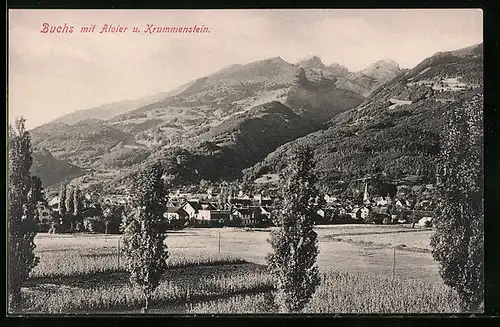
(257,161)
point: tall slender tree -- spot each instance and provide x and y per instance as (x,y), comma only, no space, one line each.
(69,219)
(22,198)
(70,201)
(62,200)
(295,243)
(77,202)
(458,243)
(143,233)
(77,209)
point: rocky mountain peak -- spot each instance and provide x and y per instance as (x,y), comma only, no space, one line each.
(382,69)
(311,62)
(337,69)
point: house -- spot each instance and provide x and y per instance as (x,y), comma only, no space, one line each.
(44,212)
(364,212)
(359,212)
(214,217)
(175,217)
(221,216)
(204,215)
(192,208)
(175,213)
(249,217)
(399,204)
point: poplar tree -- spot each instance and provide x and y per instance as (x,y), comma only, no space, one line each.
(70,201)
(77,202)
(69,219)
(458,243)
(295,244)
(62,200)
(22,223)
(143,233)
(77,208)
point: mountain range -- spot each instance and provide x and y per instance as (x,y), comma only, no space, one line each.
(397,129)
(243,120)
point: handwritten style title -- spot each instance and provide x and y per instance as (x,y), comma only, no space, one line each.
(116,29)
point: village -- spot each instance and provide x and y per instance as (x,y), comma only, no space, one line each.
(102,214)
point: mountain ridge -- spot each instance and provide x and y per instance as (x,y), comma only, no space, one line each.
(397,129)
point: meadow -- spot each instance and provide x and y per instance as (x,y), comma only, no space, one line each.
(222,270)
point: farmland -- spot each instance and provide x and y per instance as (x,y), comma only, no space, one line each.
(85,273)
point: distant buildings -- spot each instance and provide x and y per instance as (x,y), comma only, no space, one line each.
(243,210)
(44,212)
(222,207)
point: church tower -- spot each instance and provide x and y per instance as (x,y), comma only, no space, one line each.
(366,197)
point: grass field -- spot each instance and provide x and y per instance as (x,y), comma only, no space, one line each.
(344,292)
(85,273)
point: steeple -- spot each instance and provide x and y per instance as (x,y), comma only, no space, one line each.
(365,194)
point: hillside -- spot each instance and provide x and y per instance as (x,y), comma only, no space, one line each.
(51,170)
(108,111)
(235,144)
(81,143)
(397,129)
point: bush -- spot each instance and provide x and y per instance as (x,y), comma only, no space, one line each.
(94,225)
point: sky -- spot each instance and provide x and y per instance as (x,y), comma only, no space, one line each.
(53,74)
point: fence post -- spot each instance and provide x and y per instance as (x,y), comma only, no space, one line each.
(118,253)
(394,265)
